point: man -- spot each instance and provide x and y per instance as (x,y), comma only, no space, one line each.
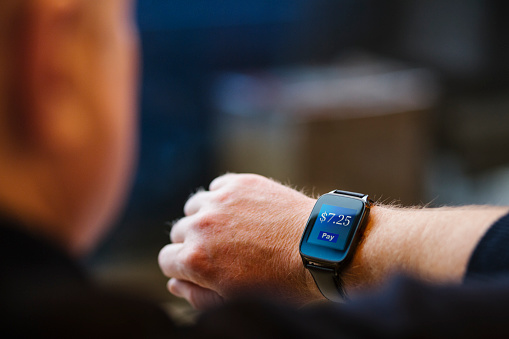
(67,131)
(67,142)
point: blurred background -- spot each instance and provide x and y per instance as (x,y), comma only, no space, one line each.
(405,100)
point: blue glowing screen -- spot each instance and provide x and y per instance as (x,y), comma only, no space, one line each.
(332,226)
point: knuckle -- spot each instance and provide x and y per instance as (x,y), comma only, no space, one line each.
(208,221)
(199,263)
(191,201)
(173,232)
(172,235)
(249,179)
(187,208)
(195,259)
(224,197)
(235,190)
(162,259)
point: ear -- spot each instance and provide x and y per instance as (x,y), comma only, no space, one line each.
(54,117)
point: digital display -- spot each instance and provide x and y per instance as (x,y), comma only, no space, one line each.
(332,226)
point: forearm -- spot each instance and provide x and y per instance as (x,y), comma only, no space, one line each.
(432,244)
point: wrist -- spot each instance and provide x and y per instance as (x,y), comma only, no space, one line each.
(431,244)
(392,242)
(362,271)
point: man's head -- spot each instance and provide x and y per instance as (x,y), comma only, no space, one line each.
(67,115)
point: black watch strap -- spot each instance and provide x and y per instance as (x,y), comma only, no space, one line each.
(327,279)
(328,283)
(351,194)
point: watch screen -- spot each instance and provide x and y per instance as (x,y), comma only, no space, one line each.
(332,226)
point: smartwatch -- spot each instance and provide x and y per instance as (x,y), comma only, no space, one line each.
(332,233)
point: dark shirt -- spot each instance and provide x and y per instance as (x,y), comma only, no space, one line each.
(491,256)
(44,294)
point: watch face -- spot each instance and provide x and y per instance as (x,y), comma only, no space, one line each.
(331,227)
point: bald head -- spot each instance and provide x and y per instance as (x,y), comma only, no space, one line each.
(67,115)
(11,27)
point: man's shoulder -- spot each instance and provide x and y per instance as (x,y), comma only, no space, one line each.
(45,294)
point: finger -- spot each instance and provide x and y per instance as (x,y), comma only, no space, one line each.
(181,228)
(199,297)
(195,202)
(220,181)
(169,261)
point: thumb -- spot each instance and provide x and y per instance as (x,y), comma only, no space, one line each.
(199,297)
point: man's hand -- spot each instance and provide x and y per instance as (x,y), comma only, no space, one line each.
(241,236)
